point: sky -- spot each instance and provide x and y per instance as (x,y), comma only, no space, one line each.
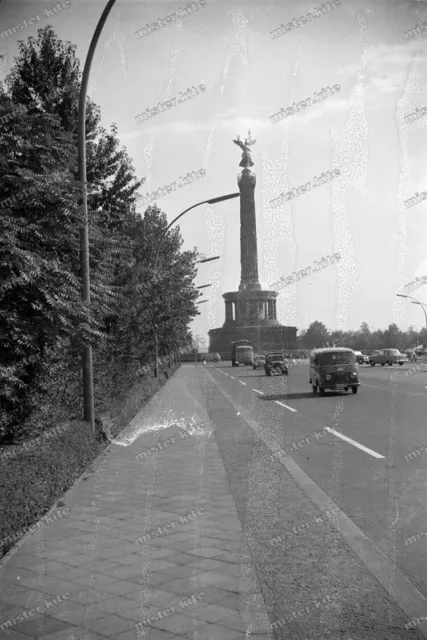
(359,45)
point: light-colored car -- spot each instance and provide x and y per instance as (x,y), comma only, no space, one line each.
(387,356)
(216,357)
(361,358)
(258,362)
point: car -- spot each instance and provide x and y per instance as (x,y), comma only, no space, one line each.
(216,357)
(275,363)
(411,355)
(361,358)
(387,356)
(258,362)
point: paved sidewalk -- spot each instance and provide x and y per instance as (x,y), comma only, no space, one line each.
(151,547)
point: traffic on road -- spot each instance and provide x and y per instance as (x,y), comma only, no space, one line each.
(360,434)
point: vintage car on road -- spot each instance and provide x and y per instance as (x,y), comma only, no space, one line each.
(361,358)
(411,355)
(258,362)
(275,363)
(387,356)
(333,368)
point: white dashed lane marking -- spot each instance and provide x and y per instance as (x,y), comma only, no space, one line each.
(354,443)
(242,382)
(286,406)
(260,392)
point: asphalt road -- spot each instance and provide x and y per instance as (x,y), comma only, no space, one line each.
(367,476)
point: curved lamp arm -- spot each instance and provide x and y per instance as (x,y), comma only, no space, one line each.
(211,201)
(415,301)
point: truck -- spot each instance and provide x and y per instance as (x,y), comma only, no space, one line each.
(245,354)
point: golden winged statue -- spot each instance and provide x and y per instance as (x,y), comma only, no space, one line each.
(246,148)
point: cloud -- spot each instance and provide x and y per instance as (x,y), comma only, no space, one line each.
(183,127)
(388,67)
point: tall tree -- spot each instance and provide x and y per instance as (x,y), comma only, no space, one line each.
(316,335)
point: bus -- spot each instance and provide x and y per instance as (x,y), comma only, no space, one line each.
(234,345)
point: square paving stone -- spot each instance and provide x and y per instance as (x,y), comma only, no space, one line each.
(181,558)
(217,632)
(16,635)
(76,560)
(78,615)
(211,564)
(120,587)
(100,580)
(111,625)
(117,604)
(69,573)
(213,595)
(129,559)
(26,561)
(180,571)
(73,633)
(253,625)
(17,575)
(218,580)
(233,601)
(28,599)
(230,556)
(137,613)
(157,553)
(180,587)
(12,587)
(211,613)
(213,542)
(206,552)
(124,572)
(50,626)
(106,566)
(54,586)
(151,634)
(156,598)
(160,565)
(158,579)
(176,623)
(89,596)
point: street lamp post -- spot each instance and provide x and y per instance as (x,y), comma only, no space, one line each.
(156,255)
(88,402)
(415,301)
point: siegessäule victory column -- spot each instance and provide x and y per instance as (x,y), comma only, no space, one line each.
(250,312)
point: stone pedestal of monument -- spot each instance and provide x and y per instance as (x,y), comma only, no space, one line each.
(250,312)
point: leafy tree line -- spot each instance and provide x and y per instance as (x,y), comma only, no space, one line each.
(317,335)
(43,322)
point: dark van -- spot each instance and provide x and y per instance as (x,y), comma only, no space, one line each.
(334,368)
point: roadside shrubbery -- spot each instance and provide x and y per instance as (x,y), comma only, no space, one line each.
(43,322)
